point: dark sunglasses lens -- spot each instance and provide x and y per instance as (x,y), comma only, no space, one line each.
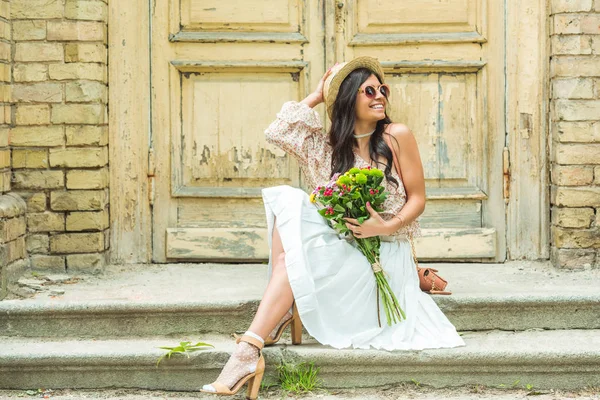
(370,91)
(385,91)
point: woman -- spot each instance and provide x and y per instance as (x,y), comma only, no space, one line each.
(328,281)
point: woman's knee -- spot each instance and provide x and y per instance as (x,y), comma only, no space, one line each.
(279,262)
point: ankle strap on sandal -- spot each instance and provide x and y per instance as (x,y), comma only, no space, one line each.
(253,341)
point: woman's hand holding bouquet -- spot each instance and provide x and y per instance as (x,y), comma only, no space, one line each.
(355,197)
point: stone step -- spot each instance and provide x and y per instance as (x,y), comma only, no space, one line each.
(151,300)
(544,359)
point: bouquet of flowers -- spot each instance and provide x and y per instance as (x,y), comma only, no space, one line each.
(346,196)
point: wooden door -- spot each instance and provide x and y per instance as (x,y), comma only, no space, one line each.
(222,69)
(444,60)
(220,72)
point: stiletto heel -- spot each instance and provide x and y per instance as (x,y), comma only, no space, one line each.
(253,378)
(296,326)
(254,385)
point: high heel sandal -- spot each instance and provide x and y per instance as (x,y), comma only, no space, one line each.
(296,326)
(253,378)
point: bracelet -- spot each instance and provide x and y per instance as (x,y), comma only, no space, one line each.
(401,218)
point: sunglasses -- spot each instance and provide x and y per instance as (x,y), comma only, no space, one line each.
(371,92)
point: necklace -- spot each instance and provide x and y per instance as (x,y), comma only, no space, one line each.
(364,135)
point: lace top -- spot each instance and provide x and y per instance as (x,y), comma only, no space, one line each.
(299,132)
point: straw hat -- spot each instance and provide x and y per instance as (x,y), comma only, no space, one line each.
(338,73)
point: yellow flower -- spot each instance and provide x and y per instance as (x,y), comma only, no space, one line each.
(313,198)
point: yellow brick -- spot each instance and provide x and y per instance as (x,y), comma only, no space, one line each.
(36,202)
(4,158)
(77,242)
(588,153)
(5,31)
(29,30)
(79,114)
(572,175)
(574,66)
(87,179)
(72,71)
(5,184)
(573,217)
(86,10)
(78,200)
(87,135)
(26,158)
(87,221)
(38,179)
(31,72)
(4,135)
(38,114)
(8,114)
(43,92)
(577,197)
(74,157)
(39,51)
(5,10)
(570,131)
(46,263)
(12,228)
(85,91)
(5,93)
(576,238)
(37,9)
(85,52)
(11,251)
(5,51)
(5,114)
(46,222)
(5,73)
(77,30)
(86,263)
(38,244)
(41,136)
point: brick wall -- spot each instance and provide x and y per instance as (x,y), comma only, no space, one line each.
(60,135)
(13,259)
(575,133)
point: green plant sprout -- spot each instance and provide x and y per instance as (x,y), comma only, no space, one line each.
(183,348)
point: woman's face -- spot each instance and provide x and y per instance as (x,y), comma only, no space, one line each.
(370,109)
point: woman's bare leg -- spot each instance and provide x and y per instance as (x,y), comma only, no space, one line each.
(278,297)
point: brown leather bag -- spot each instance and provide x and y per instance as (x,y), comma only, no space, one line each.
(429,281)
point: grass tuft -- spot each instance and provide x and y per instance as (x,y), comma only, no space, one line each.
(299,378)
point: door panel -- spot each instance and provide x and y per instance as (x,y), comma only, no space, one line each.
(222,70)
(220,73)
(444,63)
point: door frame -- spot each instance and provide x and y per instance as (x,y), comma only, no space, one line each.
(526,121)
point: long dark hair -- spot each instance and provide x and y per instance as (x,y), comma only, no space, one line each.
(341,133)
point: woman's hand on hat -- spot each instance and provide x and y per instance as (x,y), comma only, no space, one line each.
(318,93)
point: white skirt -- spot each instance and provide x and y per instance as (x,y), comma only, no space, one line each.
(334,286)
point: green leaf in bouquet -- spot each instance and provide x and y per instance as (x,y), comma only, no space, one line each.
(349,205)
(362,219)
(339,208)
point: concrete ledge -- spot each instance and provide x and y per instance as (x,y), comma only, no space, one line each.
(568,359)
(210,298)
